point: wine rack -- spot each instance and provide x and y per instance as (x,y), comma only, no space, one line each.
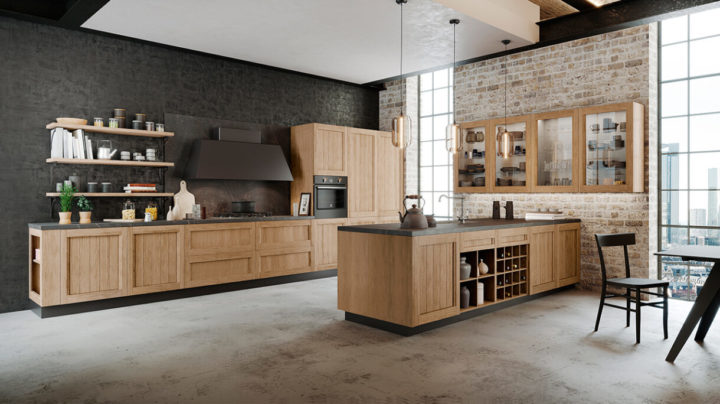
(507,276)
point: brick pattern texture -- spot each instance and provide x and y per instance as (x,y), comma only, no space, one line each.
(603,69)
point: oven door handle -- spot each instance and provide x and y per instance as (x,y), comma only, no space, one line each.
(330,187)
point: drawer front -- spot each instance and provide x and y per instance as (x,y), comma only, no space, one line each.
(282,235)
(208,239)
(477,240)
(283,263)
(217,270)
(508,237)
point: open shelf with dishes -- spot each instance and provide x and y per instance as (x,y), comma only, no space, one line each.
(111,131)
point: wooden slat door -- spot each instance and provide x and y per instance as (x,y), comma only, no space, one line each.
(389,160)
(156,259)
(330,150)
(543,275)
(93,264)
(435,277)
(362,172)
(567,253)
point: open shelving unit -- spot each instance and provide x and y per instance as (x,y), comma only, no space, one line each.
(112,162)
(507,276)
(115,194)
(111,131)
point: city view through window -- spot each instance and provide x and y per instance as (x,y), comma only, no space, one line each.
(690,144)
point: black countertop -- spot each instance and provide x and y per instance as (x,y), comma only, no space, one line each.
(103,225)
(393,229)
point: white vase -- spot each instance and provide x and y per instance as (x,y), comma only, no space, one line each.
(482,267)
(465,268)
(480,294)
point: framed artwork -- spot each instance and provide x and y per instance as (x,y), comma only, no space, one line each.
(304,204)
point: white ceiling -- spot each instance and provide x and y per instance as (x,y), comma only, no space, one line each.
(351,40)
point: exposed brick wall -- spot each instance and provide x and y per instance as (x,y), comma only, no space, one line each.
(603,69)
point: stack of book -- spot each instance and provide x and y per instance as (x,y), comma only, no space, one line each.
(140,188)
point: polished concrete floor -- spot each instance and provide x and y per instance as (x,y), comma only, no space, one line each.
(288,344)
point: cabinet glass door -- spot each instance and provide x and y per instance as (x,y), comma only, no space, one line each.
(471,168)
(510,169)
(555,150)
(605,148)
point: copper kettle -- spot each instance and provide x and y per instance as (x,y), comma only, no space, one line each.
(413,217)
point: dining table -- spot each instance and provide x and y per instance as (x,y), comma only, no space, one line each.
(708,300)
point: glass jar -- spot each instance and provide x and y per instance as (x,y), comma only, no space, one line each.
(152,209)
(128,212)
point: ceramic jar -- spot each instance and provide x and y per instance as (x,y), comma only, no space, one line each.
(464,297)
(482,267)
(465,268)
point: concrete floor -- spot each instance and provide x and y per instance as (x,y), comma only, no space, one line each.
(288,344)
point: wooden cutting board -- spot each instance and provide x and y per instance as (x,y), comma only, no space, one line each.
(183,202)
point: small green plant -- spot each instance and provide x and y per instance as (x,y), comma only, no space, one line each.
(84,204)
(66,197)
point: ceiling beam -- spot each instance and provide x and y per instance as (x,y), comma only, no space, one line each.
(580,5)
(517,17)
(615,16)
(79,11)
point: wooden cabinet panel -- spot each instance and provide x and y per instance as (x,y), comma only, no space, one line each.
(435,277)
(325,242)
(233,238)
(284,234)
(362,197)
(201,271)
(93,264)
(156,259)
(390,176)
(283,263)
(567,253)
(477,240)
(516,236)
(330,150)
(542,264)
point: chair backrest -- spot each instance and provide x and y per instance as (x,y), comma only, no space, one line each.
(614,240)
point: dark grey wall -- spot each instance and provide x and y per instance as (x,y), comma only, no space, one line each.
(48,72)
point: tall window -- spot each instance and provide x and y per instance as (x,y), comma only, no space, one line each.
(689,144)
(435,161)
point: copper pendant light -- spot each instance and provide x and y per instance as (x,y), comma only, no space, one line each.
(452,132)
(401,124)
(505,139)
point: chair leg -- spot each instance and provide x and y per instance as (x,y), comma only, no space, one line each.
(600,309)
(627,313)
(665,312)
(637,316)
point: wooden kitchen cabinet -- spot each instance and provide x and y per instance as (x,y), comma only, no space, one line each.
(155,259)
(283,247)
(477,240)
(325,242)
(93,264)
(389,179)
(567,256)
(436,269)
(543,275)
(219,253)
(330,148)
(362,172)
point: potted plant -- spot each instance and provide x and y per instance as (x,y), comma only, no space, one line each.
(85,209)
(66,198)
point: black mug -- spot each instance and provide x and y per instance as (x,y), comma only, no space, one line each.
(496,210)
(509,210)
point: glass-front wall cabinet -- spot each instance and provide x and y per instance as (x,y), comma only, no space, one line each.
(556,157)
(472,173)
(511,156)
(612,142)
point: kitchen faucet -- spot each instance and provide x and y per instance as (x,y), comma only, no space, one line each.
(463,217)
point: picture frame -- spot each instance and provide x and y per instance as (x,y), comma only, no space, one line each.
(304,204)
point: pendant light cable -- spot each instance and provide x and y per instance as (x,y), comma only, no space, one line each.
(402,79)
(506,42)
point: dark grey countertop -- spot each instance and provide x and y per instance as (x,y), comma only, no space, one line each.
(393,229)
(103,225)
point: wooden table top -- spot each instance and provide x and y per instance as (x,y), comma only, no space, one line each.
(693,252)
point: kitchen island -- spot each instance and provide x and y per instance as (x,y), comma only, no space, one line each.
(408,281)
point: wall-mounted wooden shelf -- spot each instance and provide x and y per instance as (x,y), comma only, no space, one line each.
(111,162)
(116,194)
(111,131)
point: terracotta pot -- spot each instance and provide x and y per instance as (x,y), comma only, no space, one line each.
(65,217)
(85,217)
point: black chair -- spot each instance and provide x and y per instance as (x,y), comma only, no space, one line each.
(628,283)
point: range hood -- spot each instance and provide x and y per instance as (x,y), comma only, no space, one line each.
(233,160)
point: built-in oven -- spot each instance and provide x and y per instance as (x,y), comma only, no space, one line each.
(330,193)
